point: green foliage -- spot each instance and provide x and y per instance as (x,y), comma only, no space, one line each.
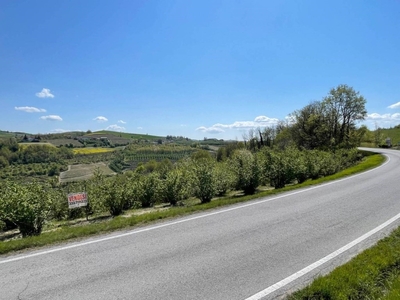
(201,155)
(330,123)
(227,151)
(278,168)
(113,195)
(173,186)
(28,206)
(203,179)
(223,178)
(148,188)
(246,170)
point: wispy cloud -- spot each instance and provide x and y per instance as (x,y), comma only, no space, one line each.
(100,119)
(51,118)
(59,130)
(260,121)
(115,127)
(140,128)
(122,122)
(212,129)
(30,109)
(383,117)
(396,105)
(45,93)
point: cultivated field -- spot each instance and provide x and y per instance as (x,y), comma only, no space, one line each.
(63,142)
(84,171)
(94,150)
(35,143)
(123,135)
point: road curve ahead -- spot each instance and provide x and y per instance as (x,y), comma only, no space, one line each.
(264,248)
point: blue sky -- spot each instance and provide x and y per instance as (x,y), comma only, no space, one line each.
(198,69)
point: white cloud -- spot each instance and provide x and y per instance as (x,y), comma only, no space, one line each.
(100,119)
(115,127)
(59,130)
(45,93)
(382,120)
(260,121)
(384,117)
(30,109)
(212,129)
(122,122)
(396,105)
(51,118)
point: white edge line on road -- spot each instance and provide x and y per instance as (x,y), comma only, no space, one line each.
(183,220)
(320,262)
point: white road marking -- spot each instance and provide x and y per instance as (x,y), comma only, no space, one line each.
(181,221)
(320,262)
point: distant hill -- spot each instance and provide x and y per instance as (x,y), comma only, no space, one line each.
(135,136)
(392,133)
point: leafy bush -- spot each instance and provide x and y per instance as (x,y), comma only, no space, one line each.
(173,186)
(148,190)
(203,179)
(28,206)
(223,178)
(246,171)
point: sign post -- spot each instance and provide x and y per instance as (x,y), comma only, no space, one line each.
(77,199)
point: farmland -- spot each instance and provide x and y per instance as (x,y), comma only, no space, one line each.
(88,151)
(84,172)
(66,142)
(123,135)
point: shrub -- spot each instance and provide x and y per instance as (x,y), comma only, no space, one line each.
(246,171)
(203,179)
(173,186)
(147,190)
(112,195)
(28,206)
(223,178)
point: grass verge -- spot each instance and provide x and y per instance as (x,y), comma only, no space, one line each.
(67,233)
(373,274)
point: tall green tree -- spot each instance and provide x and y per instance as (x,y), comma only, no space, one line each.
(344,107)
(330,123)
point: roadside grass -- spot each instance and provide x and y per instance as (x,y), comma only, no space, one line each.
(94,150)
(373,274)
(394,293)
(64,233)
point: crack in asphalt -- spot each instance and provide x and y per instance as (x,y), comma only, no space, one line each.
(24,290)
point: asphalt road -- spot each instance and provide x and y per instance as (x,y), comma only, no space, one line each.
(229,253)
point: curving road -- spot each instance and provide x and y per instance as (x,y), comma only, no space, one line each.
(264,248)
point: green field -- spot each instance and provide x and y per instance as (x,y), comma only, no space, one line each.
(84,171)
(35,144)
(64,142)
(130,136)
(95,150)
(393,134)
(5,134)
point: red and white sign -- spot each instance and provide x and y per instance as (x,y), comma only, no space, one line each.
(77,199)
